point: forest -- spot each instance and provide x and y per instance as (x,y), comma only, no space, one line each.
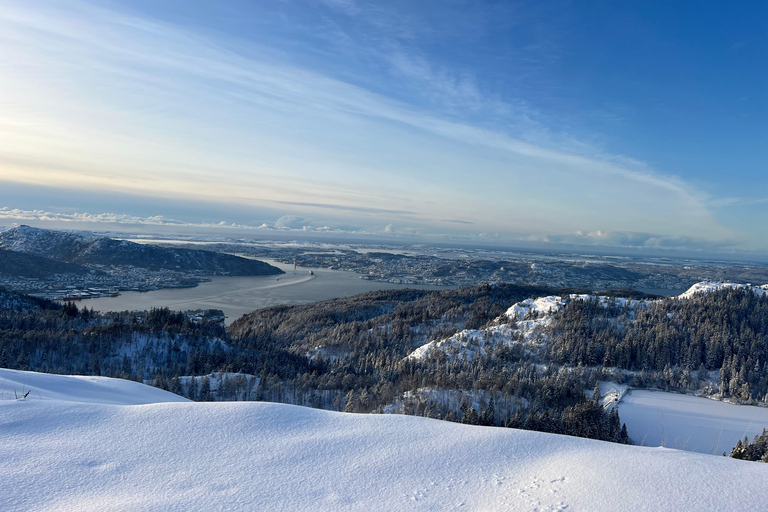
(351,354)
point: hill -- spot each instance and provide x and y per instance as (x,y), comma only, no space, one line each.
(18,303)
(81,389)
(19,264)
(62,455)
(90,249)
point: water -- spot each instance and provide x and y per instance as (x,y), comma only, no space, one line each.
(656,418)
(664,292)
(237,296)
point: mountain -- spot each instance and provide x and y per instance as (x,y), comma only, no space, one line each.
(20,264)
(74,444)
(90,249)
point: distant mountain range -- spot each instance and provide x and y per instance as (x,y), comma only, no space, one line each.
(78,249)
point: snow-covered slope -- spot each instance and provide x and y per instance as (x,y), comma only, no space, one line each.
(468,343)
(711,286)
(529,317)
(532,315)
(63,455)
(541,305)
(102,390)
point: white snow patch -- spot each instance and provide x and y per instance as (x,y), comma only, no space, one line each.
(541,305)
(711,286)
(468,343)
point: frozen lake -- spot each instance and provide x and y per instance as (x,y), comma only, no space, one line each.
(656,418)
(237,296)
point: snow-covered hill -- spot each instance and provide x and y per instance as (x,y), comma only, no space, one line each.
(711,286)
(75,388)
(527,320)
(64,455)
(531,316)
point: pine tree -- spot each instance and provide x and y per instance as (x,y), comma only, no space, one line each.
(349,402)
(470,416)
(489,414)
(624,435)
(205,390)
(192,390)
(175,386)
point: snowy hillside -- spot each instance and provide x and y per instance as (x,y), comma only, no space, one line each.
(86,389)
(711,286)
(528,319)
(541,305)
(63,455)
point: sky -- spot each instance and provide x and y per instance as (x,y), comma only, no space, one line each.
(632,125)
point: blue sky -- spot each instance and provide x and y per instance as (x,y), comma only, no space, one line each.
(637,125)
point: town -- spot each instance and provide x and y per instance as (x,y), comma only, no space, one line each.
(101,281)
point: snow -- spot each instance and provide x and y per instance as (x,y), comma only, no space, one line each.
(711,286)
(469,343)
(72,388)
(541,305)
(656,418)
(611,393)
(65,455)
(553,303)
(604,301)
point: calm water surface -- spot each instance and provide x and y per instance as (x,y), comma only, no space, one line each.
(237,296)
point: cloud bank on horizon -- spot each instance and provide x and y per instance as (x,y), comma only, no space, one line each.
(354,117)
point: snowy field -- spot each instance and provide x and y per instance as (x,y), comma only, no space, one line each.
(656,418)
(65,454)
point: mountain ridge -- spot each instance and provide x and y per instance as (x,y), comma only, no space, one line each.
(89,249)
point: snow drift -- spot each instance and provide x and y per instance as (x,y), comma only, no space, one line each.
(64,454)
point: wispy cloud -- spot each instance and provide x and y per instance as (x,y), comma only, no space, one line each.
(82,220)
(347,208)
(736,202)
(102,99)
